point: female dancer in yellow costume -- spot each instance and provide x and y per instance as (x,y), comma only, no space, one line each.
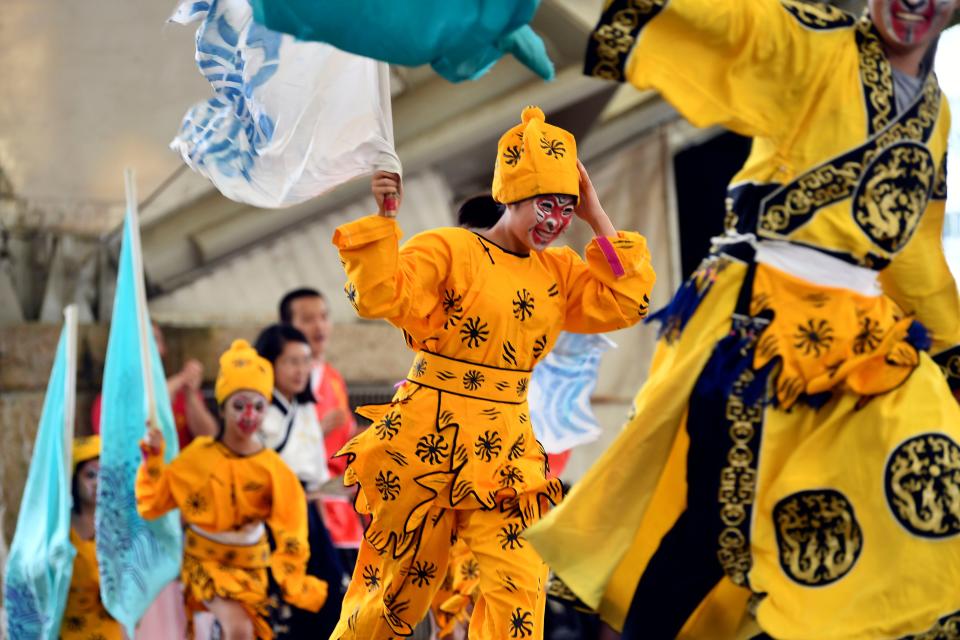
(454,455)
(227,488)
(85,617)
(795,443)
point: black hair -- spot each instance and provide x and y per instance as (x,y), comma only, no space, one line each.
(271,343)
(285,311)
(75,486)
(479,212)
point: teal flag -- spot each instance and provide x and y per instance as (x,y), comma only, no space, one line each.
(40,563)
(460,39)
(137,558)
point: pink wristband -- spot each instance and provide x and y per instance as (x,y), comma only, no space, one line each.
(611,255)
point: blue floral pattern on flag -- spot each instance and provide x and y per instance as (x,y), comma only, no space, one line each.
(137,558)
(227,130)
(288,119)
(40,564)
(560,390)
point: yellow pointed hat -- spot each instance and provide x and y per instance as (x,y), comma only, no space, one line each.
(535,158)
(243,369)
(85,448)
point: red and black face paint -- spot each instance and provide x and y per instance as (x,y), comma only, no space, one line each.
(909,21)
(553,215)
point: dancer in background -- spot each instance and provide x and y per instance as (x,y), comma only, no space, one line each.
(291,428)
(306,309)
(85,618)
(796,444)
(454,455)
(227,489)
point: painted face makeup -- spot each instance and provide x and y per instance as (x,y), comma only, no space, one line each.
(553,215)
(908,22)
(246,410)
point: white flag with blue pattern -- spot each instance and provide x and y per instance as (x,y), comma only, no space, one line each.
(560,390)
(290,119)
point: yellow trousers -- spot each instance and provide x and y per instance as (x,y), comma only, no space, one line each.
(388,596)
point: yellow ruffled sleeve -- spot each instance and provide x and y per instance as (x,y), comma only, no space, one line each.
(288,523)
(385,281)
(152,490)
(744,64)
(611,289)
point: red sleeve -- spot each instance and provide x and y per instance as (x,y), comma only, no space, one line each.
(95,413)
(336,439)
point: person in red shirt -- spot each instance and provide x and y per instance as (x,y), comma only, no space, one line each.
(306,309)
(189,410)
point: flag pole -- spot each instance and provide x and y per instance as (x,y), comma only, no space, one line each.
(70,383)
(140,292)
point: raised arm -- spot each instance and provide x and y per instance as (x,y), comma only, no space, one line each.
(611,290)
(745,64)
(152,490)
(383,280)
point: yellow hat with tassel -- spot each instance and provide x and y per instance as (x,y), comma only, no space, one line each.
(535,158)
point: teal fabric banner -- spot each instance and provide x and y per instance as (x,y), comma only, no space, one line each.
(40,563)
(460,39)
(137,558)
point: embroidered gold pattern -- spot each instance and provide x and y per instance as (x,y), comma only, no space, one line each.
(738,482)
(616,34)
(940,189)
(923,485)
(946,628)
(893,195)
(793,205)
(876,76)
(818,536)
(818,16)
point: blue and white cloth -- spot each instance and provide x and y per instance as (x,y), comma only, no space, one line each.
(40,564)
(289,119)
(560,390)
(137,558)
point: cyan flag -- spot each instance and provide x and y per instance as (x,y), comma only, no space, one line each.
(137,558)
(41,557)
(460,39)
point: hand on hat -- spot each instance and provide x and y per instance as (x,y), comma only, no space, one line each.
(386,185)
(589,209)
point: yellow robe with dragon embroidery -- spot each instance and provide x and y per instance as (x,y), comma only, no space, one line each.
(795,444)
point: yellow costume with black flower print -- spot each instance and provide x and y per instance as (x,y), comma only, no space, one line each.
(219,491)
(453,456)
(85,617)
(793,459)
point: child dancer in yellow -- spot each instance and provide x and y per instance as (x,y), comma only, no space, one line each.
(227,489)
(795,444)
(454,455)
(85,618)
